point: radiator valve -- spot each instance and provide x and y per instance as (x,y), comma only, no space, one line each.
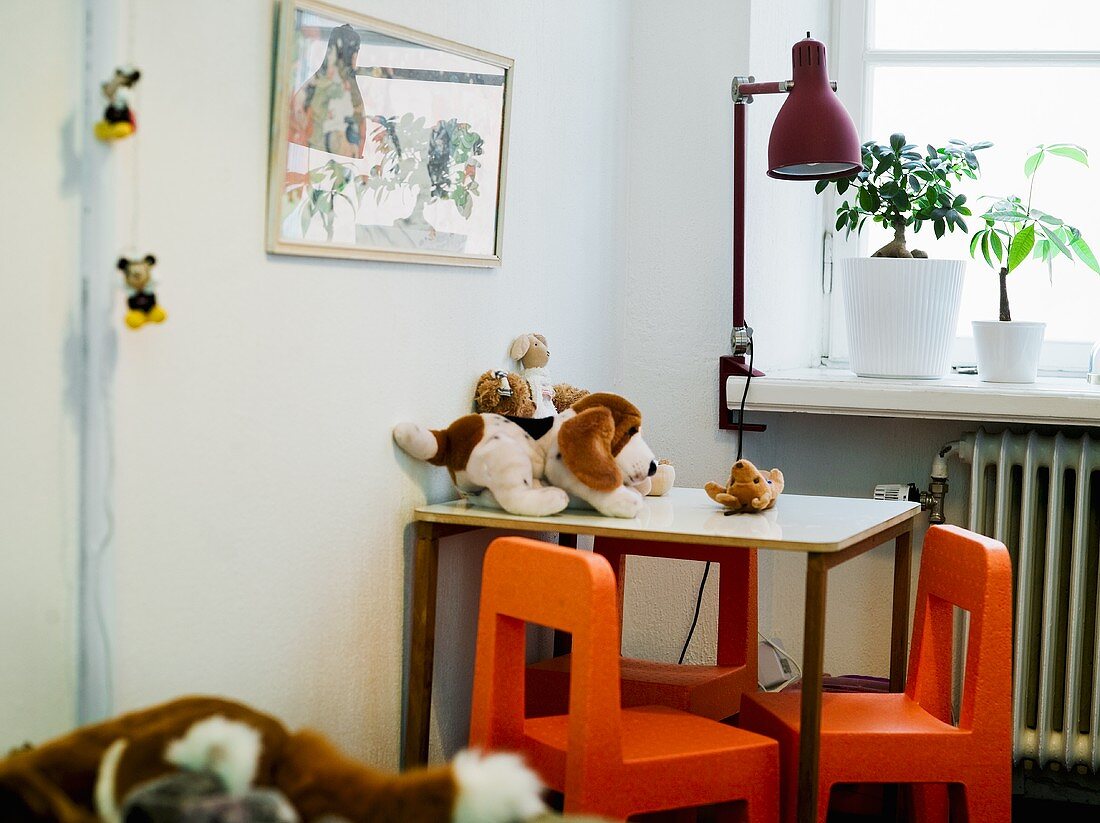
(931,500)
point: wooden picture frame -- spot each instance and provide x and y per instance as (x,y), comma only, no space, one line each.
(386,143)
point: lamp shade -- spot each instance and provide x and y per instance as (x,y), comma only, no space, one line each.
(813,138)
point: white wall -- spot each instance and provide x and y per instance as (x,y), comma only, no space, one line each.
(39,367)
(262,546)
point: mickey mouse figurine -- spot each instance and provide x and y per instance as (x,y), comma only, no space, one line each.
(142,302)
(118,120)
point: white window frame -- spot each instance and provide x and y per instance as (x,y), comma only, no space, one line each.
(852,62)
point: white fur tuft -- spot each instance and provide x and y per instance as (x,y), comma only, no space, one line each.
(416,440)
(228,748)
(495,788)
(105,804)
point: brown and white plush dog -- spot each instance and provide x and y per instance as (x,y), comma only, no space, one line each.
(87,775)
(592,453)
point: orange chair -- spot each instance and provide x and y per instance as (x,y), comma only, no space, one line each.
(909,738)
(709,691)
(605,759)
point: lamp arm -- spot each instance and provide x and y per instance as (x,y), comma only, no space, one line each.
(744,88)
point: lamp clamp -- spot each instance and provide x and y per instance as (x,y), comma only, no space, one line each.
(741,339)
(735,89)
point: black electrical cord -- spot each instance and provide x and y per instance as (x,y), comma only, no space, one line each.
(706,568)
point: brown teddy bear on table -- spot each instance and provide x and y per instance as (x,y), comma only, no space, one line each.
(748,488)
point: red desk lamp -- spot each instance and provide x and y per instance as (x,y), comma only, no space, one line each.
(813,139)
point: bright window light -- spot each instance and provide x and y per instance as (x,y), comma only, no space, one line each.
(1012,73)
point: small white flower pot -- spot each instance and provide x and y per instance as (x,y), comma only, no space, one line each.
(901,315)
(1008,351)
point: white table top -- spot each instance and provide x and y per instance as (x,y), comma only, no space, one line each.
(797,522)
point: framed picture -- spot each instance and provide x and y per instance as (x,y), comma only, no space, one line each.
(386,143)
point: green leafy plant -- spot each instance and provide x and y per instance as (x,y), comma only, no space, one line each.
(901,187)
(1016,230)
(319,189)
(438,162)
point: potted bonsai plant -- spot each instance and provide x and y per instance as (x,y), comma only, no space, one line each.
(1015,230)
(901,306)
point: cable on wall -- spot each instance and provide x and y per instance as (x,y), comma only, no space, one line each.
(706,568)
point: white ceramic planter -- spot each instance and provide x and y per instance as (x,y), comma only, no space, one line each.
(1008,352)
(901,315)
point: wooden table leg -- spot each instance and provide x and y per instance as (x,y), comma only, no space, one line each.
(899,624)
(813,663)
(563,641)
(418,707)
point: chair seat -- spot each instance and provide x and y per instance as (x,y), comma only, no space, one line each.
(670,759)
(862,714)
(707,691)
(888,736)
(650,733)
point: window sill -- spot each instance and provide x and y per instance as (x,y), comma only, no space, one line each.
(1052,400)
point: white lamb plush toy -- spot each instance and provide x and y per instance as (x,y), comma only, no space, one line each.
(533,355)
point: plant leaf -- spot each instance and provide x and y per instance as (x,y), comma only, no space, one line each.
(1070,150)
(821,186)
(1020,247)
(1005,216)
(306,216)
(1054,237)
(996,246)
(975,240)
(1085,255)
(1032,163)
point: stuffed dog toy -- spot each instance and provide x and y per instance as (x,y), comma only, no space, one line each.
(748,489)
(593,452)
(95,773)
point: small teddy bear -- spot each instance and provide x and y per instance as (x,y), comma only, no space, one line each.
(503,392)
(142,302)
(748,489)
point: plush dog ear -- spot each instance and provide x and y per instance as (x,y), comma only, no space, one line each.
(628,420)
(585,443)
(520,346)
(541,339)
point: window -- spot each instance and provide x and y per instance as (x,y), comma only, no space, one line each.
(1013,73)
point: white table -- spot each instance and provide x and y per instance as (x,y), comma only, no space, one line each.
(829,530)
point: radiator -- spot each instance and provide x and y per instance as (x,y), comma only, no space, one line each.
(1040,496)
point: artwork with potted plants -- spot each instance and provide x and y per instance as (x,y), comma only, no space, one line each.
(1016,230)
(901,306)
(386,143)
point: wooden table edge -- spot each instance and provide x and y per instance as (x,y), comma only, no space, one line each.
(548,524)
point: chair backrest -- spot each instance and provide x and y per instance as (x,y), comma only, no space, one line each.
(964,569)
(527,581)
